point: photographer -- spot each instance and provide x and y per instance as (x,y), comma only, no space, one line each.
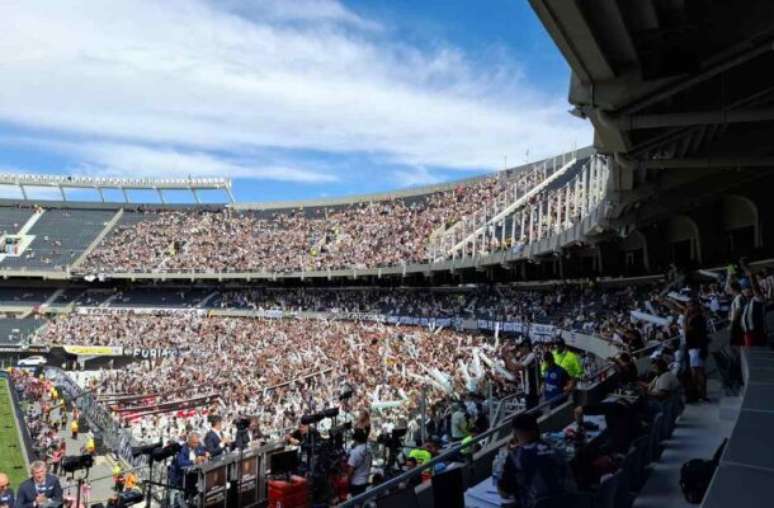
(303,435)
(359,463)
(41,490)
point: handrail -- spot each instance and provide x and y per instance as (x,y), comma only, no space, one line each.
(448,454)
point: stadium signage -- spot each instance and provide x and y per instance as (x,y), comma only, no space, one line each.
(93,350)
(157,311)
(148,353)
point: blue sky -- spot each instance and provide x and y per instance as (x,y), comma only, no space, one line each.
(291,99)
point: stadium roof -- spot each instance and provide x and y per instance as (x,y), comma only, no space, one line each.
(671,83)
(100,183)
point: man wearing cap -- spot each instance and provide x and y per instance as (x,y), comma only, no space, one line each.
(533,469)
(566,359)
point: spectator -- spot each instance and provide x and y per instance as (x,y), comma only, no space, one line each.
(532,470)
(697,343)
(459,422)
(665,384)
(753,318)
(626,368)
(359,463)
(557,383)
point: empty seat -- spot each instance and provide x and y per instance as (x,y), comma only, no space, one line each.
(606,495)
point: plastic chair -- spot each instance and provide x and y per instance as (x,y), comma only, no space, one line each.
(655,437)
(623,497)
(641,452)
(605,496)
(667,421)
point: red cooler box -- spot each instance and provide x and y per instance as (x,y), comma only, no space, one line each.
(289,494)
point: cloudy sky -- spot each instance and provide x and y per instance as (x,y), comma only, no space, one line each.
(290,98)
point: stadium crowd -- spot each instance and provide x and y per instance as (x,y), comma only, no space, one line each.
(583,307)
(360,235)
(279,369)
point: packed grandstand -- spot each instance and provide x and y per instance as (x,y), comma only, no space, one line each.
(148,361)
(583,330)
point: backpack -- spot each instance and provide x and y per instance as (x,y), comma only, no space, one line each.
(696,474)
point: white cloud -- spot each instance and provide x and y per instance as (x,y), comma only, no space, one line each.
(235,77)
(108,159)
(414,177)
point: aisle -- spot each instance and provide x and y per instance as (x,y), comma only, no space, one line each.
(100,474)
(698,434)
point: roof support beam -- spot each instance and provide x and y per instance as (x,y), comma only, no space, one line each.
(715,162)
(633,122)
(710,72)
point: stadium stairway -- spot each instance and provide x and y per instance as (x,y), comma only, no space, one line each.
(698,433)
(31,222)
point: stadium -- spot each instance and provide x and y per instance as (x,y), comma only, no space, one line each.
(589,329)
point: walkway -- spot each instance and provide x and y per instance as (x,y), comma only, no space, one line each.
(699,432)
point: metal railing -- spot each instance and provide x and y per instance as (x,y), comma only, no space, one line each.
(454,451)
(449,454)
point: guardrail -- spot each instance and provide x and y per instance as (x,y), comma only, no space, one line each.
(447,455)
(485,437)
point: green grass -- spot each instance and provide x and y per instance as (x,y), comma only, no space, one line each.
(12,460)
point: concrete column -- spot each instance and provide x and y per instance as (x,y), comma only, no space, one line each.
(513,229)
(523,231)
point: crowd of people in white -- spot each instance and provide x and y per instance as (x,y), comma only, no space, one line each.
(279,370)
(360,235)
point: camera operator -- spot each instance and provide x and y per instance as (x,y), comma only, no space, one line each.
(359,463)
(303,435)
(363,422)
(41,490)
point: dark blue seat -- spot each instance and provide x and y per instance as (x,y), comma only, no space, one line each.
(568,500)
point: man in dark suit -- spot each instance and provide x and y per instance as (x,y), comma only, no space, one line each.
(213,440)
(192,453)
(42,490)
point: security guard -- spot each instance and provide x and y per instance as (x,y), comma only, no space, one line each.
(567,360)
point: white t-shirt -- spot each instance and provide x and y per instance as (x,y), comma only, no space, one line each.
(666,382)
(458,425)
(360,461)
